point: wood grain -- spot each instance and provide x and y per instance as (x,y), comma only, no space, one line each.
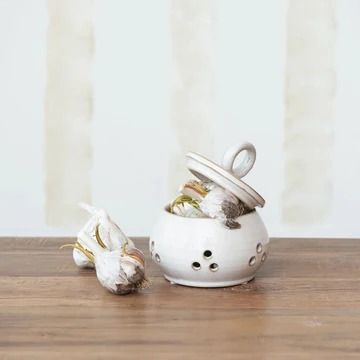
(304,304)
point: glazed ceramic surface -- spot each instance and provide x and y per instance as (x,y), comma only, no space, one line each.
(201,252)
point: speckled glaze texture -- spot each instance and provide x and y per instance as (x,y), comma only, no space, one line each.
(201,252)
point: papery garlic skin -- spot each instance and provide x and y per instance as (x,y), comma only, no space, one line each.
(118,273)
(119,265)
(197,190)
(109,231)
(186,210)
(200,199)
(81,260)
(222,205)
(100,224)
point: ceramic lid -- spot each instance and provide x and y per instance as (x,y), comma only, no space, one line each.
(228,176)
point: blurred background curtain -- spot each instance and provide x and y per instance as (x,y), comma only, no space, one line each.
(102,99)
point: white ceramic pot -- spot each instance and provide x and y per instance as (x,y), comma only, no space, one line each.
(201,252)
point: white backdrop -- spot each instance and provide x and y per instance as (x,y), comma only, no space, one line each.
(138,141)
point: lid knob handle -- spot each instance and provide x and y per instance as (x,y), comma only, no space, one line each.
(245,164)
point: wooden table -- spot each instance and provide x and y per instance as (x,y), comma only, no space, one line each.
(304,304)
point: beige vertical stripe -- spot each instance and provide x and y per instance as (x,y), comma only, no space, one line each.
(192,95)
(68,110)
(310,89)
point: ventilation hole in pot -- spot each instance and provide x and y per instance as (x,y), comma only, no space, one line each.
(152,245)
(263,258)
(259,248)
(157,258)
(196,266)
(207,254)
(252,261)
(214,267)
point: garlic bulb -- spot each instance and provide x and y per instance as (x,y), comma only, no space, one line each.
(206,199)
(120,271)
(186,206)
(120,266)
(103,229)
(195,189)
(222,205)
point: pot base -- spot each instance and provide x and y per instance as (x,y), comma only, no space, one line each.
(209,284)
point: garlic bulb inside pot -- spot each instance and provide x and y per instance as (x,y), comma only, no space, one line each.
(185,206)
(206,199)
(222,205)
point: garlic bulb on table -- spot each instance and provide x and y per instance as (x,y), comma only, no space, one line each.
(120,271)
(104,230)
(120,266)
